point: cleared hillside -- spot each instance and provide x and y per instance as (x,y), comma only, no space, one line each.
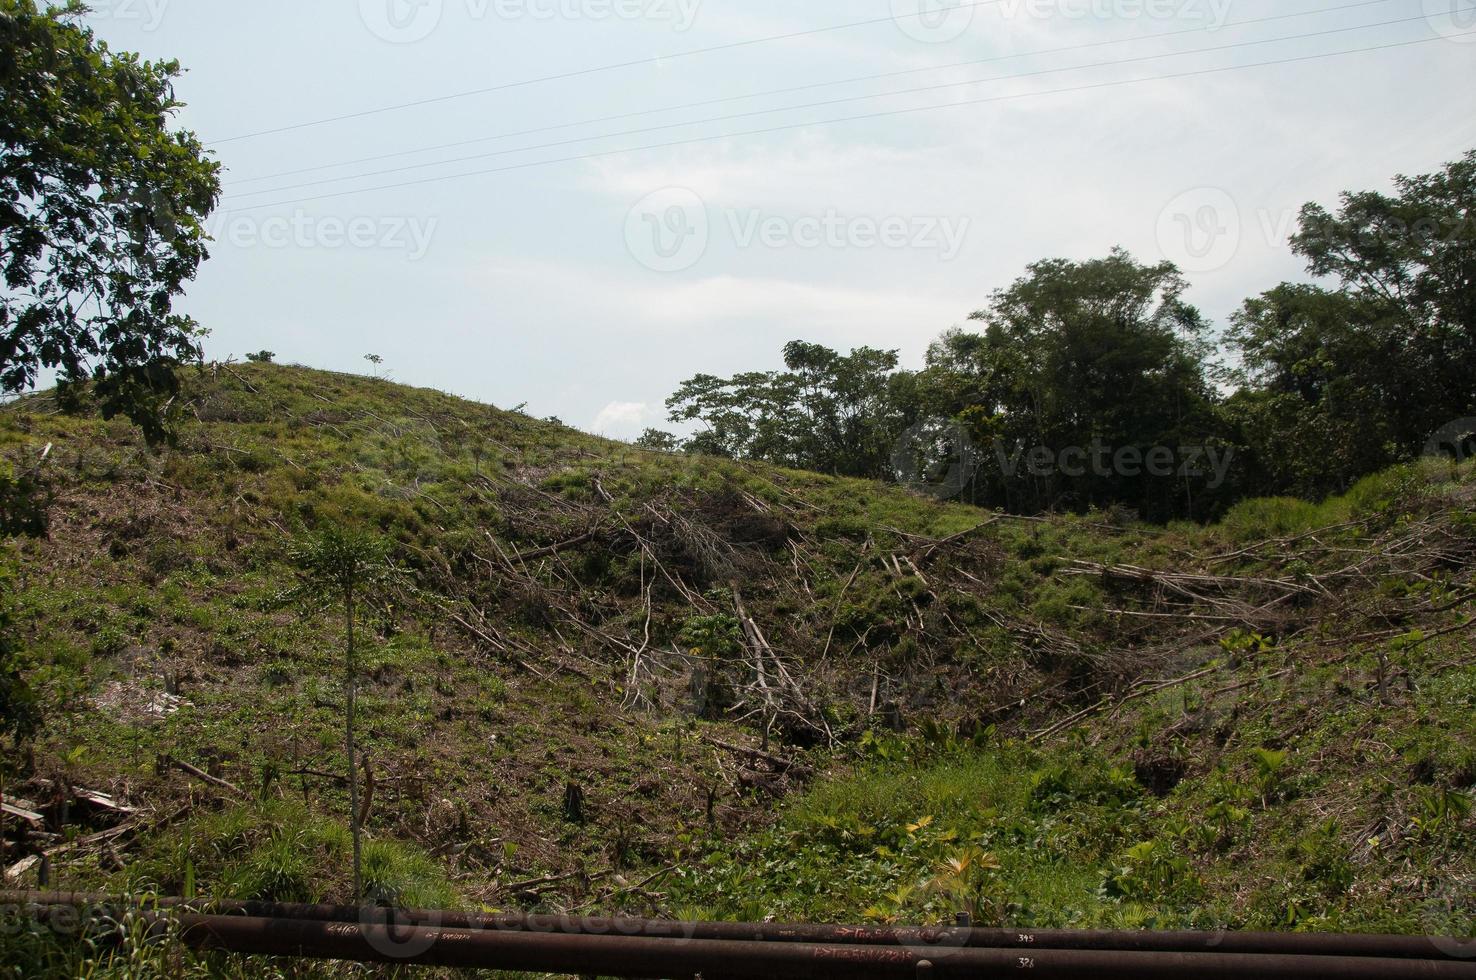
(617,679)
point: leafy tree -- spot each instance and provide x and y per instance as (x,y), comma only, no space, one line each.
(826,411)
(261,357)
(1100,356)
(345,566)
(102,211)
(1345,380)
(1321,377)
(659,440)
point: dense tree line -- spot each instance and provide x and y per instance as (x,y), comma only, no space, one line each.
(1095,383)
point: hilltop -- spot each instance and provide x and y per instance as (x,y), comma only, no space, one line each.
(623,679)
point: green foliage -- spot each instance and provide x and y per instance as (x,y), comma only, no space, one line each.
(717,636)
(874,833)
(1324,859)
(20,710)
(1269,769)
(1245,643)
(1104,353)
(345,564)
(25,501)
(1154,870)
(337,561)
(659,440)
(104,215)
(1440,810)
(1344,381)
(1074,781)
(281,851)
(828,412)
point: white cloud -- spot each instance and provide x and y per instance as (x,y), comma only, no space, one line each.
(621,419)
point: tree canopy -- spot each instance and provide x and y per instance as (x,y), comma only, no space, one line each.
(1067,378)
(102,210)
(1344,379)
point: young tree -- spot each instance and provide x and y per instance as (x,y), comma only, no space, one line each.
(345,566)
(102,211)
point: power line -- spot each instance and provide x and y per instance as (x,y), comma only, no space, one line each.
(828,102)
(962,5)
(801,88)
(842,119)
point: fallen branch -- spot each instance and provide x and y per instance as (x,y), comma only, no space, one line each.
(777,761)
(200,774)
(28,816)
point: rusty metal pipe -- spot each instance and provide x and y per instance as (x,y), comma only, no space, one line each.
(922,939)
(630,956)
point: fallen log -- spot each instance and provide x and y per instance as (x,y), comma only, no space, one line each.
(200,774)
(777,761)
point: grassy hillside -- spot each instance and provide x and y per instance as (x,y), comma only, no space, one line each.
(616,679)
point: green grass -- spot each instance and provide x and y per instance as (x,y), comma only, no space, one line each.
(162,573)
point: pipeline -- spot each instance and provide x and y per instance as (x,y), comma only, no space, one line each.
(633,956)
(915,937)
(725,959)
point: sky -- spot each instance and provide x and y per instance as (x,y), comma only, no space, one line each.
(574,205)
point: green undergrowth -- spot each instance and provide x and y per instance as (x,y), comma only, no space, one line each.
(1308,779)
(1307,802)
